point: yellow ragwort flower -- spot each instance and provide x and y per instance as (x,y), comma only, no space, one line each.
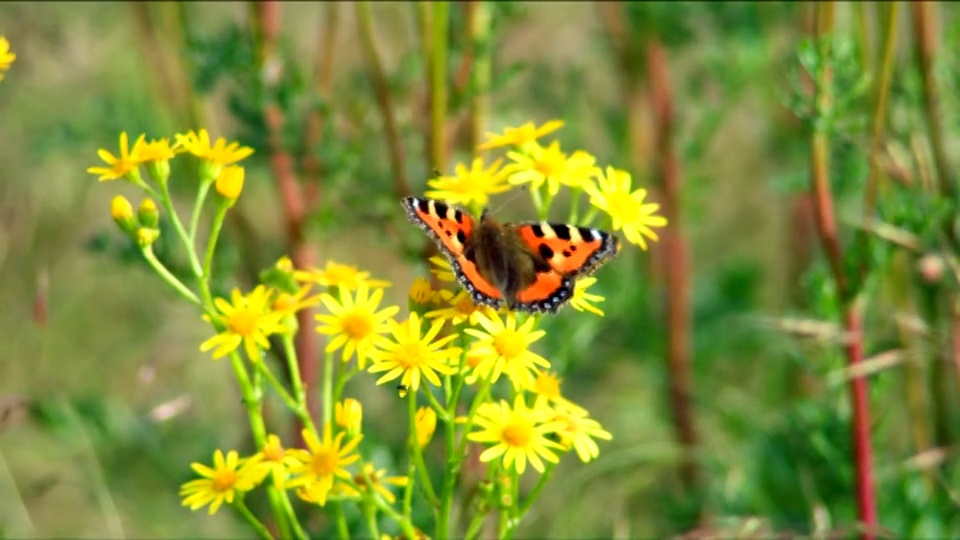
(349,416)
(219,153)
(324,461)
(582,300)
(377,478)
(421,292)
(578,431)
(354,321)
(425,423)
(471,186)
(123,166)
(247,320)
(442,270)
(285,304)
(504,348)
(547,389)
(518,434)
(412,355)
(336,274)
(6,57)
(520,136)
(273,459)
(458,308)
(221,482)
(626,208)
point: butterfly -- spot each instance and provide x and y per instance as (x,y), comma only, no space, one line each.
(530,266)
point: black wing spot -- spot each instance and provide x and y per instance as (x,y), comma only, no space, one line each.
(462,238)
(566,253)
(537,231)
(441,208)
(423,205)
(562,232)
(587,233)
(572,249)
(458,215)
(448,233)
(545,252)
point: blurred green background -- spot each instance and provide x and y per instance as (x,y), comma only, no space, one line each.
(106,399)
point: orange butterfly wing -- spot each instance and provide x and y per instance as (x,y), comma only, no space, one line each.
(570,251)
(452,228)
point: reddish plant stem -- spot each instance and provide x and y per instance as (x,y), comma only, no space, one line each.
(323,83)
(677,259)
(295,210)
(827,231)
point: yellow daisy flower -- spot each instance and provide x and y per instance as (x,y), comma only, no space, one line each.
(518,434)
(285,304)
(354,321)
(578,431)
(425,422)
(421,292)
(504,348)
(324,461)
(377,479)
(458,307)
(537,165)
(547,389)
(157,150)
(442,269)
(247,320)
(471,186)
(274,459)
(348,414)
(520,136)
(221,482)
(6,57)
(122,166)
(625,207)
(336,274)
(413,356)
(582,300)
(219,153)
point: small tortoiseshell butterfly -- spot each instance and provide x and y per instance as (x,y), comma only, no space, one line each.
(531,267)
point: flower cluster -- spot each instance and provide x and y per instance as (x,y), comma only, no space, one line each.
(6,57)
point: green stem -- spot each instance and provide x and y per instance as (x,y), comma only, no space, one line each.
(167,203)
(327,396)
(370,512)
(413,447)
(299,391)
(165,274)
(418,456)
(197,207)
(212,240)
(455,457)
(340,519)
(531,497)
(254,523)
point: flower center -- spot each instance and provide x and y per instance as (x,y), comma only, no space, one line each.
(224,480)
(283,303)
(325,462)
(243,322)
(548,386)
(357,325)
(342,275)
(510,344)
(517,434)
(623,206)
(411,354)
(273,453)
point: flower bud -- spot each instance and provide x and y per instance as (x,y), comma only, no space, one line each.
(230,182)
(122,212)
(146,236)
(159,170)
(420,291)
(426,424)
(349,415)
(148,214)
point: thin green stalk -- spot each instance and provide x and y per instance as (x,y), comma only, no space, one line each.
(405,524)
(412,447)
(327,390)
(167,203)
(341,520)
(455,457)
(197,208)
(215,229)
(523,508)
(370,513)
(165,274)
(254,523)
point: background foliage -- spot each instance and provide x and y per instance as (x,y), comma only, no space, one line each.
(105,397)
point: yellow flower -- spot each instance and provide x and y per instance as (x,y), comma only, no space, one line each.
(413,356)
(221,482)
(274,459)
(6,57)
(336,274)
(538,165)
(458,308)
(324,461)
(421,292)
(518,434)
(349,415)
(230,182)
(219,153)
(582,300)
(157,150)
(520,136)
(425,422)
(471,186)
(247,320)
(442,271)
(626,208)
(354,321)
(377,478)
(547,388)
(578,432)
(286,304)
(124,166)
(503,348)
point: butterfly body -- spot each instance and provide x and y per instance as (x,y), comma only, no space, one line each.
(530,266)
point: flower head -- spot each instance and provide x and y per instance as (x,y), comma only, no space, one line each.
(214,157)
(547,389)
(335,274)
(122,166)
(412,355)
(582,300)
(324,461)
(421,292)
(578,431)
(349,415)
(247,320)
(274,459)
(442,269)
(6,57)
(626,208)
(517,433)
(425,422)
(285,304)
(520,136)
(354,321)
(471,186)
(376,478)
(458,308)
(221,482)
(539,165)
(503,347)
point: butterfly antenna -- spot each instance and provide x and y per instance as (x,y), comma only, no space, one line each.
(513,195)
